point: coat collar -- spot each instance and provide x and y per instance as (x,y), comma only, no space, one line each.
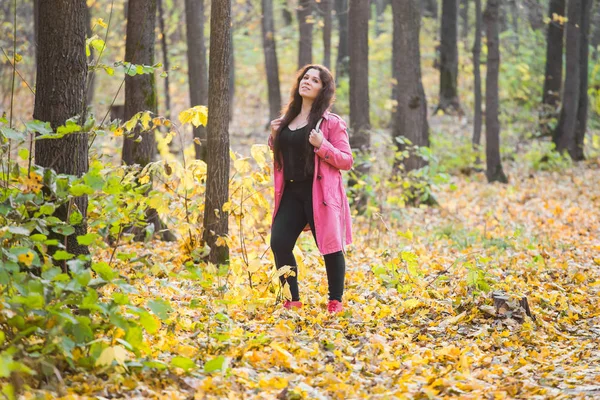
(326,115)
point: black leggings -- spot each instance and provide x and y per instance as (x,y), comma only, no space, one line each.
(295,211)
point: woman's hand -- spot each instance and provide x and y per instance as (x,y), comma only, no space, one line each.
(275,124)
(316,138)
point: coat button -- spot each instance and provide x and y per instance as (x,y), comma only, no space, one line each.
(319,177)
(324,203)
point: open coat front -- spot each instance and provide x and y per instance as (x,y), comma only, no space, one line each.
(333,227)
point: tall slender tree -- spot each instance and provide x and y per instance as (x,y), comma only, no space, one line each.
(554,66)
(477,119)
(464,16)
(429,8)
(217,181)
(449,57)
(360,123)
(305,24)
(410,117)
(595,40)
(564,134)
(380,6)
(535,13)
(582,109)
(197,67)
(494,171)
(165,54)
(342,66)
(60,95)
(271,64)
(326,8)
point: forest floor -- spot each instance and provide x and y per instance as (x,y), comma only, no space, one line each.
(417,320)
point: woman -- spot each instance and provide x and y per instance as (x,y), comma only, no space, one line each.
(308,160)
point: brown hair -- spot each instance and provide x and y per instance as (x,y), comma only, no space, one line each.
(322,103)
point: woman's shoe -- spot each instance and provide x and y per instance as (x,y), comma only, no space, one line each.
(334,306)
(292,304)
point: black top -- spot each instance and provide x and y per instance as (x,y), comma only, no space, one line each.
(293,144)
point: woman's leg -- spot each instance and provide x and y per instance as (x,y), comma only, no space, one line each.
(287,226)
(335,264)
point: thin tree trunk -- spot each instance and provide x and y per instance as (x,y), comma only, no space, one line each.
(60,95)
(165,54)
(477,120)
(595,40)
(514,13)
(582,110)
(410,118)
(564,135)
(342,66)
(271,64)
(554,67)
(494,170)
(535,14)
(380,6)
(305,24)
(217,182)
(91,83)
(464,16)
(36,13)
(197,67)
(231,74)
(326,6)
(286,13)
(449,57)
(429,8)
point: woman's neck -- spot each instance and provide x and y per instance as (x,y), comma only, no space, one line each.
(306,107)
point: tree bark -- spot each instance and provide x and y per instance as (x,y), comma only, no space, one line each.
(582,109)
(464,15)
(494,170)
(271,64)
(477,119)
(197,67)
(595,40)
(554,67)
(514,13)
(305,24)
(326,6)
(449,57)
(359,75)
(231,75)
(60,95)
(91,82)
(286,13)
(342,66)
(217,182)
(165,54)
(410,117)
(564,135)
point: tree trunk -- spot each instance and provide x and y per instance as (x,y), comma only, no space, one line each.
(36,22)
(595,40)
(449,57)
(359,75)
(60,95)
(305,24)
(197,67)
(286,13)
(564,135)
(464,16)
(217,182)
(514,13)
(231,75)
(271,64)
(165,54)
(477,119)
(582,110)
(326,6)
(554,67)
(494,171)
(410,118)
(429,8)
(535,14)
(342,66)
(380,6)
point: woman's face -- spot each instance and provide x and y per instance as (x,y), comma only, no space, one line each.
(311,84)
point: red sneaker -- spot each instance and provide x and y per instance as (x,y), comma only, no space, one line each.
(292,304)
(334,306)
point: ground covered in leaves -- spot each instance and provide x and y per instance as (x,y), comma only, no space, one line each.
(419,319)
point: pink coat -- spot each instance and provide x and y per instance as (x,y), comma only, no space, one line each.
(331,211)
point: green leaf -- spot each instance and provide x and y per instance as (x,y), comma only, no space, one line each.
(160,308)
(105,271)
(80,189)
(62,255)
(47,209)
(69,127)
(148,322)
(23,153)
(9,133)
(183,362)
(63,229)
(19,230)
(39,127)
(86,240)
(216,364)
(75,218)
